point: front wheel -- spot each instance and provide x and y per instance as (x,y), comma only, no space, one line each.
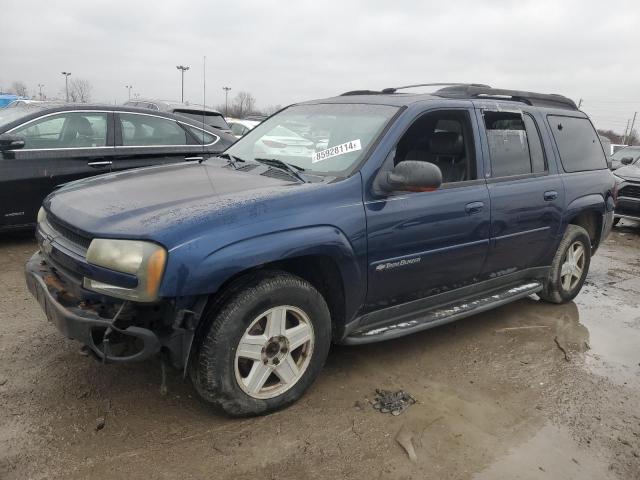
(569,268)
(265,346)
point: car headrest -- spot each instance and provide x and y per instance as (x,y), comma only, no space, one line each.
(446,143)
(81,126)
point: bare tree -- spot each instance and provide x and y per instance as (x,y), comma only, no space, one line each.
(243,104)
(632,138)
(19,88)
(80,90)
(271,109)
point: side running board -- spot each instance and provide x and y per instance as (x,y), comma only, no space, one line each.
(441,314)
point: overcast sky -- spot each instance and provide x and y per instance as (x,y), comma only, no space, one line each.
(288,51)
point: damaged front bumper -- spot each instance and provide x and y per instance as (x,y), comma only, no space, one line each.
(114,332)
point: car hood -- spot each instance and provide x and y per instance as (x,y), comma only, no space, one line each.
(154,202)
(629,172)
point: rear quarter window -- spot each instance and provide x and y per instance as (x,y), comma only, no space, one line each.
(578,143)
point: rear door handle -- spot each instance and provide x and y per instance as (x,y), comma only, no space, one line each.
(474,207)
(550,195)
(100,164)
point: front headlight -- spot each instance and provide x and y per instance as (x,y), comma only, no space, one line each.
(145,260)
(42,215)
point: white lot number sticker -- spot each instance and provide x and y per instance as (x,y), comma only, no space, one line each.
(351,146)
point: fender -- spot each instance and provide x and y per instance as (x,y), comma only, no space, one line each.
(221,265)
(594,202)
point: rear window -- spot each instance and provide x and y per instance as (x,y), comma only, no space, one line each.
(212,119)
(579,146)
(203,138)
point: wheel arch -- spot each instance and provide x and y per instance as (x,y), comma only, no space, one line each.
(588,212)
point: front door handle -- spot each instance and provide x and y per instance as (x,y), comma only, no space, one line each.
(192,159)
(474,207)
(100,164)
(550,195)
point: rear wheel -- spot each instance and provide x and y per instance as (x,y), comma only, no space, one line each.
(616,221)
(569,268)
(264,347)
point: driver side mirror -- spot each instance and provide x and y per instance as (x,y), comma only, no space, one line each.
(11,142)
(627,161)
(410,176)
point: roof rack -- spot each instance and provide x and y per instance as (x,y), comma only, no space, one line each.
(484,91)
(479,90)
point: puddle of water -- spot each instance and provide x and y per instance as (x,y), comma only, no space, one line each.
(613,322)
(550,453)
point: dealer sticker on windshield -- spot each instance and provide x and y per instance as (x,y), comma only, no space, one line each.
(351,146)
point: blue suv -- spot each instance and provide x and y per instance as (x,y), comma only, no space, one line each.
(354,219)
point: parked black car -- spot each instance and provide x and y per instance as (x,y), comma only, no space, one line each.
(207,115)
(43,147)
(628,185)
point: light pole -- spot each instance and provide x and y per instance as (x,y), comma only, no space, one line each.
(226,100)
(129,87)
(66,82)
(40,85)
(182,69)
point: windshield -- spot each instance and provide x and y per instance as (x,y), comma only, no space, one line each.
(627,152)
(324,138)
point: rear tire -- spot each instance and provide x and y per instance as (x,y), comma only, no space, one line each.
(569,268)
(265,345)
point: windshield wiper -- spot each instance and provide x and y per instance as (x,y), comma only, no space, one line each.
(282,165)
(231,158)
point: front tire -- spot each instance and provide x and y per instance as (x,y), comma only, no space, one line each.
(569,268)
(265,345)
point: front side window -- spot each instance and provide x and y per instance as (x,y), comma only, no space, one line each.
(65,130)
(322,138)
(444,138)
(514,142)
(578,143)
(148,130)
(628,152)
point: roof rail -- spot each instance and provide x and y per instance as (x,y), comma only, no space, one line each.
(394,89)
(441,84)
(530,98)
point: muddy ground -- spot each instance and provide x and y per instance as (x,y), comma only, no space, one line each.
(495,401)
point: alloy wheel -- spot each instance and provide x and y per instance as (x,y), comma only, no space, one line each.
(274,352)
(573,266)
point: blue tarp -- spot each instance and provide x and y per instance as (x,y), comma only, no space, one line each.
(6,99)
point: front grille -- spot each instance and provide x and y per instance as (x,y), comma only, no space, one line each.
(632,191)
(68,234)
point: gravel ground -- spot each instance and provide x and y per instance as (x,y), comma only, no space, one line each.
(496,398)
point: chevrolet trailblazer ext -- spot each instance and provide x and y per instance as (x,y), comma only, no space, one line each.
(409,211)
